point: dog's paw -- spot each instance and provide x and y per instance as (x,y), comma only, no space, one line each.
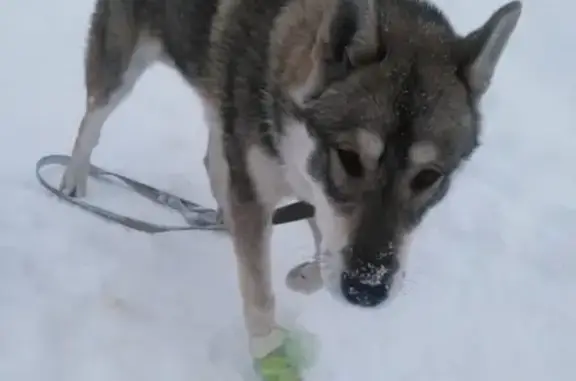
(305,278)
(74,183)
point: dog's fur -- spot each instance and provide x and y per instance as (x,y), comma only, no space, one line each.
(363,108)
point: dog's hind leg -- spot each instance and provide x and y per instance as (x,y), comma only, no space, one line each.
(116,57)
(206,162)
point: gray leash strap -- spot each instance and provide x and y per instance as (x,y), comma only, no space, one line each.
(197,216)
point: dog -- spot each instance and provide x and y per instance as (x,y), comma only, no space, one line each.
(366,109)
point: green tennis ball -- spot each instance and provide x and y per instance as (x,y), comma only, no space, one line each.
(277,367)
(287,362)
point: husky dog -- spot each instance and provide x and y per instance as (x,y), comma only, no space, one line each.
(363,108)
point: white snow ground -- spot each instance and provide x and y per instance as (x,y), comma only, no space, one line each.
(491,293)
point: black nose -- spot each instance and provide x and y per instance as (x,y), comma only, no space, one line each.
(361,293)
(368,284)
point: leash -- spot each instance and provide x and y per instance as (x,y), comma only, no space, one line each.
(196,216)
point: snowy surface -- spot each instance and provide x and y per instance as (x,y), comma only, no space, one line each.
(491,293)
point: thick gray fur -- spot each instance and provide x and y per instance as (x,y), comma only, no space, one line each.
(366,109)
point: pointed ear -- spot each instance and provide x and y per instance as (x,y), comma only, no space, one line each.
(479,52)
(364,46)
(348,37)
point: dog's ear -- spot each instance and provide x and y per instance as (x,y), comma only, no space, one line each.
(348,37)
(478,53)
(354,32)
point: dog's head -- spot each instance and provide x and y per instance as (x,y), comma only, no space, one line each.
(390,114)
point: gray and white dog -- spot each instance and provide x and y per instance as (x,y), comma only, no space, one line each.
(363,108)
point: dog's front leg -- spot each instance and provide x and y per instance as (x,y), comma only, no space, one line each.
(306,277)
(250,226)
(249,222)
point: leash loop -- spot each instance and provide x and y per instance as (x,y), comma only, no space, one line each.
(196,216)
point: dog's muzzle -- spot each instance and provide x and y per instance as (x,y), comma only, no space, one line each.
(367,282)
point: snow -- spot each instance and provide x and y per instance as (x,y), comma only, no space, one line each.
(491,285)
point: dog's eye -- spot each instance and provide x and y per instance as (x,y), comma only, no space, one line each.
(351,162)
(425,179)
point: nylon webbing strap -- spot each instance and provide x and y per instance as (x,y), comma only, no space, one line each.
(197,216)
